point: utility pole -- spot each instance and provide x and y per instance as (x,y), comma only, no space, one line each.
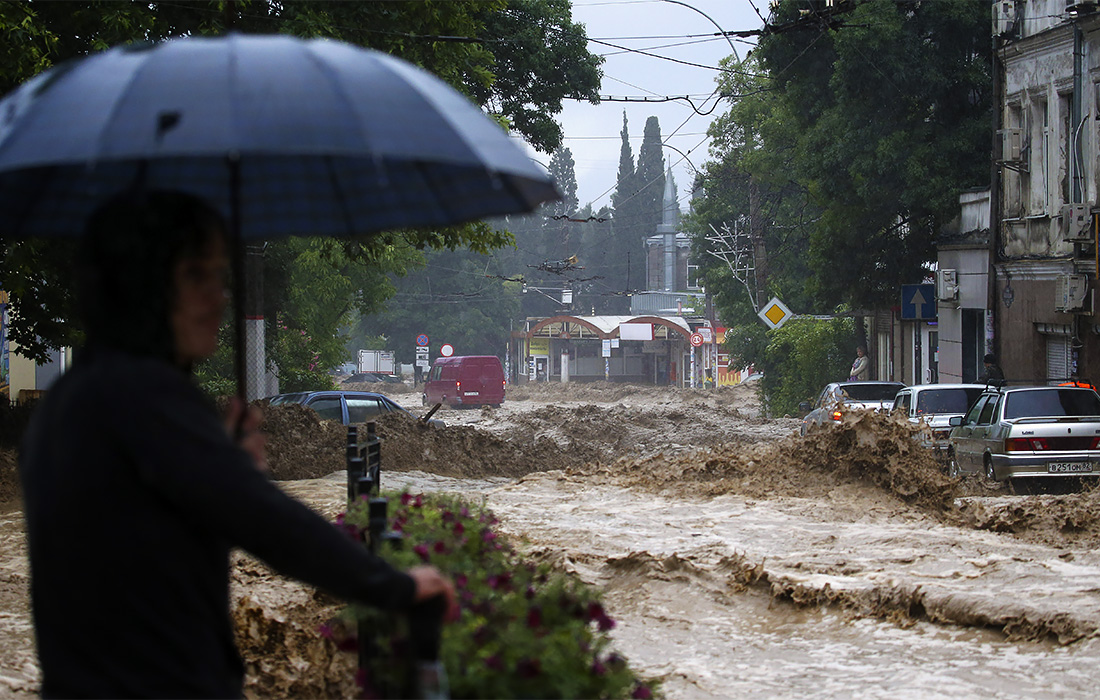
(756,235)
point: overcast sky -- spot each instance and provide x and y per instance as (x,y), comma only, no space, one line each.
(669,29)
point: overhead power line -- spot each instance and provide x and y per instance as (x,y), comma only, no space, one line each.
(675,60)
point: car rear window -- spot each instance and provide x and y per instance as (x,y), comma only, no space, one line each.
(871,392)
(947,400)
(1052,402)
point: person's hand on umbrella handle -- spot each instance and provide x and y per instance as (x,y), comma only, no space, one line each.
(244,427)
(431,583)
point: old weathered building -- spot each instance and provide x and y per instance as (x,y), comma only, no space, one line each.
(1044,201)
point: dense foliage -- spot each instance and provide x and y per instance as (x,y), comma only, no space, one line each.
(801,358)
(890,104)
(524,632)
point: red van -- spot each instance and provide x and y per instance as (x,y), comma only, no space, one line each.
(470,380)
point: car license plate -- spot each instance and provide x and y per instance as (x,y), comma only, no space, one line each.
(1069,467)
(470,393)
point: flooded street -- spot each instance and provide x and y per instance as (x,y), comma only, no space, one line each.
(677,578)
(737,559)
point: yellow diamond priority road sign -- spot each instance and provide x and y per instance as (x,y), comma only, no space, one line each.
(775,313)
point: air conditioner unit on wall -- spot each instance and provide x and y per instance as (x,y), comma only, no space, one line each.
(1076,223)
(1004,18)
(1012,145)
(1073,293)
(947,285)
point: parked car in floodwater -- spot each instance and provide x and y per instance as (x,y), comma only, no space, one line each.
(838,397)
(935,405)
(348,407)
(1028,432)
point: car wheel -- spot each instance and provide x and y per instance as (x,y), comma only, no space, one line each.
(989,473)
(953,469)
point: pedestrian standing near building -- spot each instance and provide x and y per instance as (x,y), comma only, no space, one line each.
(860,366)
(992,373)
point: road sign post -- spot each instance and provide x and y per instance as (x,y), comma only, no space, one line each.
(775,313)
(918,302)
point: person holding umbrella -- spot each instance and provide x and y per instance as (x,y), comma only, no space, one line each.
(135,492)
(132,511)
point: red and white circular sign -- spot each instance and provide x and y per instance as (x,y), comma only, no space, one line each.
(447,350)
(696,340)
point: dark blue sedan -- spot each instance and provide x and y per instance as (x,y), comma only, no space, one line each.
(348,407)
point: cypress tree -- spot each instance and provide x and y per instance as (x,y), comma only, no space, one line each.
(650,180)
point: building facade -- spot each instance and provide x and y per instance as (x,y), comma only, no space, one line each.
(1044,193)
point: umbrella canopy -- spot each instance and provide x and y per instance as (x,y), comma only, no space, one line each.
(286,136)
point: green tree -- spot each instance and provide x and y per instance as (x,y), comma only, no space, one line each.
(650,181)
(626,212)
(563,170)
(891,109)
(540,56)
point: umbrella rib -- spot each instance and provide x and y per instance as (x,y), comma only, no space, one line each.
(113,113)
(338,91)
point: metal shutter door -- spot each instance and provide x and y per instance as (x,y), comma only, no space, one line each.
(1057,357)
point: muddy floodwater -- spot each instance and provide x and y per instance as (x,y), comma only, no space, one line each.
(738,559)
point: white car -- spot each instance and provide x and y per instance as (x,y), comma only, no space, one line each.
(935,405)
(1028,432)
(837,398)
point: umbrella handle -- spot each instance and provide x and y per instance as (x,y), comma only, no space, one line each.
(237,244)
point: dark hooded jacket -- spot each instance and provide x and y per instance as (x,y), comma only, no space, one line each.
(134,496)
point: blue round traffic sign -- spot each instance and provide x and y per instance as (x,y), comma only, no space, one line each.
(421,340)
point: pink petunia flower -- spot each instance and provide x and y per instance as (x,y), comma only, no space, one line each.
(421,551)
(534,617)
